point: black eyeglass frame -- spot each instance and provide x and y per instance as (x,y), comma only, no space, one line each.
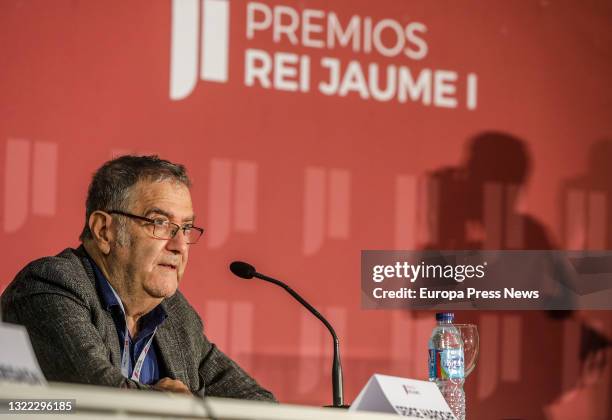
(175,229)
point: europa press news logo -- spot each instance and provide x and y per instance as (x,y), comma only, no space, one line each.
(199,46)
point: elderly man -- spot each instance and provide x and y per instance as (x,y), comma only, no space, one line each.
(109,313)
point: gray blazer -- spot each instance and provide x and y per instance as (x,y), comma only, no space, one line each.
(75,339)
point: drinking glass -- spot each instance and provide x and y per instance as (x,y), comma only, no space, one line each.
(469,335)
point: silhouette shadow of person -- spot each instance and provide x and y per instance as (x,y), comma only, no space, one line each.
(585,213)
(476,207)
(478,200)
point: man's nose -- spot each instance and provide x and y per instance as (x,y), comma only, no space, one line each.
(178,243)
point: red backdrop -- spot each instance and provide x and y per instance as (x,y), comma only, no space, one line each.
(298,182)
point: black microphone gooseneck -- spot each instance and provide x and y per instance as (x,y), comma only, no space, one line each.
(247,271)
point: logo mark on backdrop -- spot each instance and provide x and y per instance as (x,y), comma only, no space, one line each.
(326,207)
(231,326)
(199,50)
(416,211)
(232,200)
(199,46)
(30,181)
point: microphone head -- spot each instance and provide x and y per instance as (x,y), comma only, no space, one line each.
(242,269)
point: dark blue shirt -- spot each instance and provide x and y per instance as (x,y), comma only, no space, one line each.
(151,368)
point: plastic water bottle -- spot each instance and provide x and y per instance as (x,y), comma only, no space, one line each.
(446,363)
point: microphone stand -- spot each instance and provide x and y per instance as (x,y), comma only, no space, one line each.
(337,382)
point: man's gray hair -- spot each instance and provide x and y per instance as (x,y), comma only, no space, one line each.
(111,184)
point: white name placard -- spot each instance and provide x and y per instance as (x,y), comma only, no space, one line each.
(410,398)
(17,360)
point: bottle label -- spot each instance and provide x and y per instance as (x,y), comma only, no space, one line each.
(446,364)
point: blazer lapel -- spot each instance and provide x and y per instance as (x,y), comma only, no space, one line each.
(111,337)
(171,354)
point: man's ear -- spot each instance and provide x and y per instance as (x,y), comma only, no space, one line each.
(100,227)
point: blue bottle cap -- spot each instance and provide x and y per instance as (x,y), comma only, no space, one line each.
(445,316)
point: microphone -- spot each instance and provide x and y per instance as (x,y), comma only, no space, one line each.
(247,271)
(242,269)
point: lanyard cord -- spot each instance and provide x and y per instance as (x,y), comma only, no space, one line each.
(125,357)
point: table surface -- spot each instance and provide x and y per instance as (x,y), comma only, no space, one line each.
(95,402)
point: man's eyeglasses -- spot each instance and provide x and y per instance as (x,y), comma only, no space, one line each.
(165,229)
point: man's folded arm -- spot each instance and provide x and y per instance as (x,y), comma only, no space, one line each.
(67,345)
